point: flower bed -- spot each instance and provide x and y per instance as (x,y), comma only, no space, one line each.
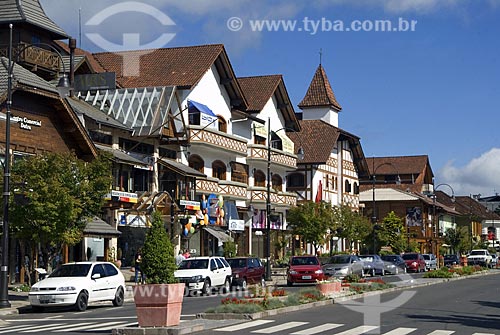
(458,271)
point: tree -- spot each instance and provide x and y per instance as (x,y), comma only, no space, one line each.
(311,220)
(391,233)
(55,194)
(158,261)
(458,239)
(354,227)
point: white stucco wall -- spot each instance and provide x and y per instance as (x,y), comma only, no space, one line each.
(321,113)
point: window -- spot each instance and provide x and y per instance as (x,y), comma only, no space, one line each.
(239,172)
(222,124)
(259,140)
(259,178)
(276,141)
(356,188)
(347,187)
(99,137)
(197,163)
(276,182)
(134,146)
(296,180)
(219,170)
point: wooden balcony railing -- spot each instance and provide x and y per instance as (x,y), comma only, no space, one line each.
(259,152)
(33,55)
(217,139)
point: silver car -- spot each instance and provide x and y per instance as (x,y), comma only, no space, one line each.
(343,265)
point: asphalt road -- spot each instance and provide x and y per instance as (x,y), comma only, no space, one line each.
(463,307)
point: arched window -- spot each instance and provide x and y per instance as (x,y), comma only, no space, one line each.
(197,163)
(219,170)
(347,188)
(334,181)
(296,180)
(356,188)
(259,178)
(327,182)
(222,124)
(276,182)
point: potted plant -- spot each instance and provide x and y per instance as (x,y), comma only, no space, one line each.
(159,301)
(329,286)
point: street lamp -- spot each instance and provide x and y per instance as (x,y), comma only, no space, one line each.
(4,268)
(435,222)
(300,156)
(374,212)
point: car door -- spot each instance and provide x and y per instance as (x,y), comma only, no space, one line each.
(217,270)
(98,286)
(112,280)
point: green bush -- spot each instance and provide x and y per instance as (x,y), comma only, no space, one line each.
(441,273)
(352,278)
(158,261)
(237,308)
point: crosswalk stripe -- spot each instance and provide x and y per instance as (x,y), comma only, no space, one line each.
(114,326)
(33,327)
(358,330)
(243,325)
(47,327)
(442,332)
(281,327)
(129,325)
(9,329)
(94,326)
(317,329)
(400,331)
(483,334)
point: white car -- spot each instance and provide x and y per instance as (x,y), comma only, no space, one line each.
(479,256)
(77,284)
(203,273)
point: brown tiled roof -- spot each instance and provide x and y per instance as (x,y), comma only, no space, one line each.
(317,138)
(319,93)
(259,89)
(96,67)
(182,66)
(469,206)
(403,164)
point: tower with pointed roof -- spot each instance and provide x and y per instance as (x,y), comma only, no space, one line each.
(320,103)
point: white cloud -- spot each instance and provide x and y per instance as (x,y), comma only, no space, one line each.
(480,175)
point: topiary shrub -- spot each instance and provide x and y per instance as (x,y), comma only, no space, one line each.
(158,261)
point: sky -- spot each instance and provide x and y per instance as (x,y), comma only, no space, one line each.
(429,86)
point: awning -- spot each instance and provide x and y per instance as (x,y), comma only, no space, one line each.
(220,235)
(120,156)
(180,168)
(194,106)
(99,228)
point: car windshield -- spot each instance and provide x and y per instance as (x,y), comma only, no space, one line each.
(72,270)
(427,257)
(390,258)
(305,261)
(339,259)
(237,263)
(477,252)
(450,257)
(408,257)
(193,264)
(366,258)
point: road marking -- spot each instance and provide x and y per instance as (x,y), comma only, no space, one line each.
(28,328)
(400,331)
(442,332)
(243,325)
(358,330)
(130,324)
(9,329)
(317,329)
(46,328)
(483,334)
(97,326)
(281,327)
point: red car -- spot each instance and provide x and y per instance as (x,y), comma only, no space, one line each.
(414,261)
(304,269)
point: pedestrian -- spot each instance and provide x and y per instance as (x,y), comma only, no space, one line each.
(137,266)
(180,257)
(186,254)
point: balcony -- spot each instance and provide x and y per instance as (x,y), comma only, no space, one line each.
(34,56)
(278,199)
(233,189)
(217,140)
(258,152)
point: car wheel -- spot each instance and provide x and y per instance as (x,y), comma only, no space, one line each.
(244,284)
(119,297)
(206,290)
(81,302)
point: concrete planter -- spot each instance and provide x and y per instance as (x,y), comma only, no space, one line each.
(329,288)
(159,305)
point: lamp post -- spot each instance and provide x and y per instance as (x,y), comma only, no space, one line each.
(4,268)
(374,212)
(435,221)
(300,156)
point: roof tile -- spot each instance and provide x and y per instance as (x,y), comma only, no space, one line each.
(319,93)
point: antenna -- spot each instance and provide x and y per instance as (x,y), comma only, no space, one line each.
(320,55)
(79,28)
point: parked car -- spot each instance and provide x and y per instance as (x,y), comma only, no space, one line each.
(479,256)
(450,260)
(304,269)
(343,265)
(372,264)
(414,261)
(246,270)
(204,273)
(78,284)
(394,264)
(430,261)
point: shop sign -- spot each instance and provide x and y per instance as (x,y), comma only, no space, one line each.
(25,123)
(236,225)
(192,205)
(121,196)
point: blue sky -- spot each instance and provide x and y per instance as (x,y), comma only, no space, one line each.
(433,91)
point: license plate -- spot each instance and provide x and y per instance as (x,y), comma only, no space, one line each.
(306,277)
(46,299)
